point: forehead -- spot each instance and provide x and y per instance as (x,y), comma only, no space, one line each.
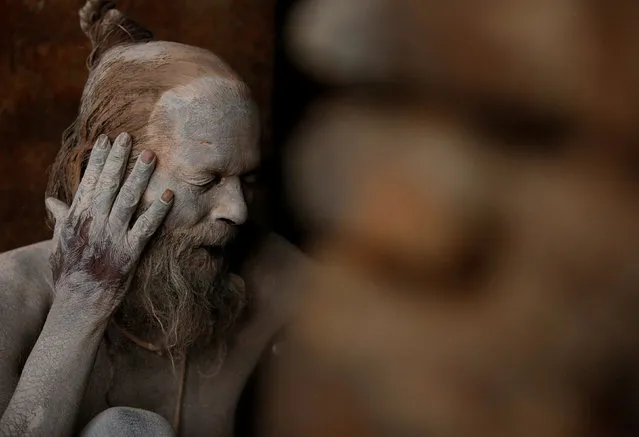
(209,123)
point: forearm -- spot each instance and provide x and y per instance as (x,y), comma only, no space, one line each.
(96,250)
(54,378)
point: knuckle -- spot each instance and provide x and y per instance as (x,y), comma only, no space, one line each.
(96,159)
(96,163)
(79,196)
(111,171)
(127,198)
(162,210)
(90,178)
(112,229)
(118,154)
(65,232)
(136,182)
(145,225)
(99,155)
(109,184)
(130,245)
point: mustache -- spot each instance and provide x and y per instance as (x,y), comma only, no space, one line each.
(218,235)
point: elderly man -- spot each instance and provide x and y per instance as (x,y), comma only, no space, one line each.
(131,316)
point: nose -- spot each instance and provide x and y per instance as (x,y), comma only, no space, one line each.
(231,206)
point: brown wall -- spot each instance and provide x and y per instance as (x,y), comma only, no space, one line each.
(42,71)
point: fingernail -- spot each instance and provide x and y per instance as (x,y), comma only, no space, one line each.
(123,140)
(102,142)
(167,196)
(147,156)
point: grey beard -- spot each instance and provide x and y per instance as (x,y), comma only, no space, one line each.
(182,294)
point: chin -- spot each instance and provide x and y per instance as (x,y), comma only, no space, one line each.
(183,292)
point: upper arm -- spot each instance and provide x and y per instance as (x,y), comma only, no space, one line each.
(24,304)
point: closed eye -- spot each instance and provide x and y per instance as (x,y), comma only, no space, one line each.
(206,182)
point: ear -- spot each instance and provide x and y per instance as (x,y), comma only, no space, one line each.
(58,209)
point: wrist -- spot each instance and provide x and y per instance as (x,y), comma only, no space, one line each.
(78,314)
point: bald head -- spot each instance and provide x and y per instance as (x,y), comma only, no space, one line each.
(185,62)
(166,95)
(190,108)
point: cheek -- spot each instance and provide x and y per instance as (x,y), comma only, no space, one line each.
(188,208)
(155,188)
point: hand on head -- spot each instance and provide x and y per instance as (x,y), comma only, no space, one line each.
(96,247)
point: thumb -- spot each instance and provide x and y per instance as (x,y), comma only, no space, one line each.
(57,208)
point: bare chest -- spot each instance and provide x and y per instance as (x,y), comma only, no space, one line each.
(199,394)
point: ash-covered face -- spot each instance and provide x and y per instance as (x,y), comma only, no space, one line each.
(207,147)
(209,155)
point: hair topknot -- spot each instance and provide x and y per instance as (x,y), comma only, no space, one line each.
(107,27)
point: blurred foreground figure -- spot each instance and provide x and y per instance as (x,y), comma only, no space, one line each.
(476,205)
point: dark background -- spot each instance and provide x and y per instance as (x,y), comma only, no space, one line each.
(42,71)
(293,93)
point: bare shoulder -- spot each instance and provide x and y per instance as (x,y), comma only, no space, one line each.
(273,274)
(25,279)
(25,297)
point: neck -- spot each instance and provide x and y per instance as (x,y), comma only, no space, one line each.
(157,348)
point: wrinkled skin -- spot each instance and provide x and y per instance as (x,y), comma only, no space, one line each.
(78,313)
(57,313)
(94,249)
(92,261)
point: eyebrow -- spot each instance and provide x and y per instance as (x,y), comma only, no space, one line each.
(222,137)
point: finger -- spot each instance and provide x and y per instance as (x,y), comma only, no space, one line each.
(59,211)
(132,190)
(98,157)
(111,176)
(149,222)
(57,208)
